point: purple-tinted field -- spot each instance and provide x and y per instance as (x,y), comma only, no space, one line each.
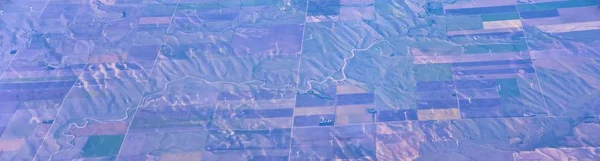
(291,80)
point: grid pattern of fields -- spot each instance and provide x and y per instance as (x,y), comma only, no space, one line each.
(261,80)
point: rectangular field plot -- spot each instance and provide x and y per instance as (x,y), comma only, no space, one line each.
(164,145)
(265,114)
(191,117)
(331,143)
(248,139)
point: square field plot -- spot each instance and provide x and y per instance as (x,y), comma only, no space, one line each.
(333,105)
(436,95)
(102,145)
(433,72)
(501,88)
(352,142)
(323,7)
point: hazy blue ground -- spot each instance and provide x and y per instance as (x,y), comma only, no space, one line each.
(335,80)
